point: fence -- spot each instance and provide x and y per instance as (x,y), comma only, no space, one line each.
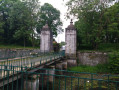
(52,79)
(29,62)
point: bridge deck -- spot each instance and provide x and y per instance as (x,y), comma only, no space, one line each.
(12,67)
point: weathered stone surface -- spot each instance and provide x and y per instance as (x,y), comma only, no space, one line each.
(10,53)
(51,73)
(70,38)
(71,63)
(92,58)
(64,65)
(46,42)
(32,77)
(31,84)
(59,67)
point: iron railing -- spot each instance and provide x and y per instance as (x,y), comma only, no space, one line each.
(16,74)
(52,79)
(34,57)
(29,62)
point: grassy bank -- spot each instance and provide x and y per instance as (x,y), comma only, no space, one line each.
(101,68)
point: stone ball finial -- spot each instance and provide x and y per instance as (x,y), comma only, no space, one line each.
(71,21)
(71,26)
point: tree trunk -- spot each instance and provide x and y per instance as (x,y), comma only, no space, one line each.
(24,43)
(33,44)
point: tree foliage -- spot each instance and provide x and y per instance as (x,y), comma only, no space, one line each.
(52,15)
(113,64)
(112,24)
(97,21)
(21,19)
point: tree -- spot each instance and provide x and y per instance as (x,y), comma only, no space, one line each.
(91,21)
(23,20)
(112,24)
(4,14)
(62,43)
(52,15)
(34,8)
(1,29)
(19,21)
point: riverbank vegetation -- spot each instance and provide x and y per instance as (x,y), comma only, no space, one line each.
(110,67)
(91,69)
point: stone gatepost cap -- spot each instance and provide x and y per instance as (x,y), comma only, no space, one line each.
(71,26)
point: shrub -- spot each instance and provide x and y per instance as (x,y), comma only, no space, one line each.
(102,68)
(113,64)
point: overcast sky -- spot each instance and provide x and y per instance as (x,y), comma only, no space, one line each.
(60,5)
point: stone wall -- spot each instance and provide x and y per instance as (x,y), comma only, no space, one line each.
(13,53)
(92,58)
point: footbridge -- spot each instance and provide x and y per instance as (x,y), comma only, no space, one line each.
(13,64)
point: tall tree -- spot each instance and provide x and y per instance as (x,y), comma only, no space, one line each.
(112,24)
(4,14)
(52,15)
(23,19)
(34,8)
(90,14)
(1,29)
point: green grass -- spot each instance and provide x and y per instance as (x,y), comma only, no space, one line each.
(101,68)
(2,46)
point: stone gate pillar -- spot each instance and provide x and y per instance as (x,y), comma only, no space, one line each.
(46,40)
(70,38)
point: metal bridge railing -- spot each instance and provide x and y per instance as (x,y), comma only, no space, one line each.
(50,79)
(29,62)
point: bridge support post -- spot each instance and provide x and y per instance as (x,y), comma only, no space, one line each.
(59,67)
(51,73)
(31,82)
(47,78)
(64,65)
(71,63)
